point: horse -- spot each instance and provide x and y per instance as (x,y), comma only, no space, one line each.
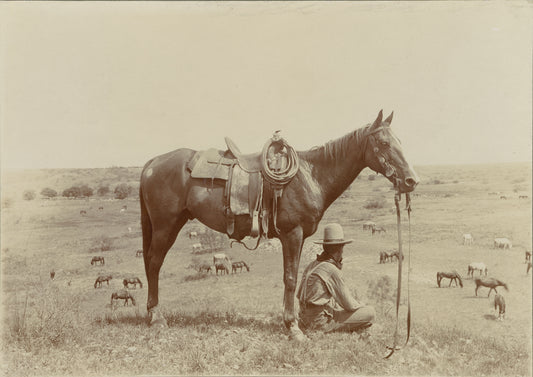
(124,295)
(204,267)
(239,265)
(193,235)
(100,208)
(477,266)
(222,263)
(502,243)
(468,239)
(126,282)
(383,257)
(499,306)
(528,256)
(490,283)
(378,230)
(369,225)
(98,260)
(139,253)
(83,212)
(100,279)
(453,276)
(170,197)
(395,254)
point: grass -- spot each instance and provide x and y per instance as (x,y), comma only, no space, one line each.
(232,324)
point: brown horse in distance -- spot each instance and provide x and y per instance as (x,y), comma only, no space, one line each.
(490,283)
(169,197)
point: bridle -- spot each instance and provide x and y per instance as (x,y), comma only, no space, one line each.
(397,199)
(390,171)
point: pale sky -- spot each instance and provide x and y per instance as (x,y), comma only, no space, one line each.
(98,84)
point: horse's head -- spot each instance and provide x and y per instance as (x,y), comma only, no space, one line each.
(384,154)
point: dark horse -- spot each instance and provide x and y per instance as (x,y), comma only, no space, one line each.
(239,265)
(124,295)
(133,281)
(490,283)
(100,279)
(453,276)
(169,197)
(97,260)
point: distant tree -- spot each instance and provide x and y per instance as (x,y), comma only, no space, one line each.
(102,190)
(122,191)
(28,195)
(85,190)
(48,192)
(72,192)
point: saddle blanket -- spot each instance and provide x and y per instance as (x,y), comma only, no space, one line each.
(210,164)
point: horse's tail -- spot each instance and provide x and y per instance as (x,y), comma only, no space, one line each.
(438,278)
(95,282)
(112,297)
(146,226)
(245,265)
(133,300)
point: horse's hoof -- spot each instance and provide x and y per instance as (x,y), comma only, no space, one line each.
(157,319)
(296,334)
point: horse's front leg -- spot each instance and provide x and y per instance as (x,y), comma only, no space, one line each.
(292,243)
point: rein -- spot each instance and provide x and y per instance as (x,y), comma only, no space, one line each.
(397,199)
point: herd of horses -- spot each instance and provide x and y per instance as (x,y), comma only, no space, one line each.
(122,294)
(483,281)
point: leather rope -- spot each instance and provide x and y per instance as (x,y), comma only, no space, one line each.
(397,198)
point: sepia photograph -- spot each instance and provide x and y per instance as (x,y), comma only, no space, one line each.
(268,188)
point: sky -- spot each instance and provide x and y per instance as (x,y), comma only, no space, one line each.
(100,84)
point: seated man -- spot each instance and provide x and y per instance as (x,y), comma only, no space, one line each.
(326,303)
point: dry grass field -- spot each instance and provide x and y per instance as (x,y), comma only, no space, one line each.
(231,324)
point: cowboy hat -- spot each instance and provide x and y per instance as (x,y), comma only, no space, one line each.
(333,235)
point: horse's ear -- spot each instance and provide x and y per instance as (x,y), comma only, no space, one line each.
(377,122)
(389,119)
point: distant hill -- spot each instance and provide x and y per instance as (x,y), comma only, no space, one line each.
(15,182)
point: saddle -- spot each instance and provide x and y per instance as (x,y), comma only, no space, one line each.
(253,182)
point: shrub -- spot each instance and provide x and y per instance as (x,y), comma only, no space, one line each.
(48,192)
(102,190)
(122,191)
(72,192)
(212,240)
(28,195)
(375,204)
(85,190)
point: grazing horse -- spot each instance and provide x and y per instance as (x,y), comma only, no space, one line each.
(139,253)
(123,295)
(239,265)
(378,230)
(468,239)
(528,267)
(222,263)
(83,212)
(197,247)
(490,283)
(395,254)
(169,197)
(453,276)
(204,267)
(193,235)
(97,260)
(383,257)
(100,279)
(528,256)
(369,225)
(499,306)
(502,243)
(100,208)
(477,266)
(134,281)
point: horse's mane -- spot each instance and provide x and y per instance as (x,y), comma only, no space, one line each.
(338,148)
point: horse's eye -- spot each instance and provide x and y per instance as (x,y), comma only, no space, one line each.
(385,143)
